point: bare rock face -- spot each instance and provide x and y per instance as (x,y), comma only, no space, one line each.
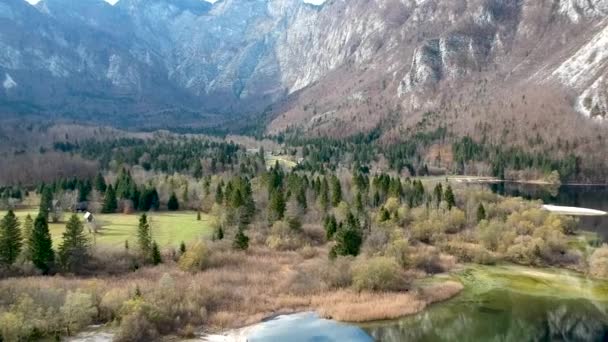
(339,68)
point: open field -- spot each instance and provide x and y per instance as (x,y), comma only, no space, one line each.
(285,161)
(168,228)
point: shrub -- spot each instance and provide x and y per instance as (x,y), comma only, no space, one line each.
(78,311)
(563,224)
(195,258)
(376,241)
(392,204)
(12,327)
(427,259)
(399,249)
(470,252)
(424,230)
(308,252)
(314,234)
(337,273)
(454,220)
(489,234)
(136,327)
(526,250)
(112,301)
(283,238)
(304,281)
(378,274)
(598,262)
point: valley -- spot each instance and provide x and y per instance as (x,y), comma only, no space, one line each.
(187,228)
(280,170)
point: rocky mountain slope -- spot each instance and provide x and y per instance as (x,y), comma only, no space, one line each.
(487,67)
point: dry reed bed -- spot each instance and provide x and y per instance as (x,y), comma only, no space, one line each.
(239,289)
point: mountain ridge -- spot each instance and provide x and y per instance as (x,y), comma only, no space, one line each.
(351,64)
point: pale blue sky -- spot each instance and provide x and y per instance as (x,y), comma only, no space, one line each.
(316,2)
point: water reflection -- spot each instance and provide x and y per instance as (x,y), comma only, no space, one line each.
(305,327)
(500,315)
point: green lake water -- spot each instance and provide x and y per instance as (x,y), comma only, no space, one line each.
(509,304)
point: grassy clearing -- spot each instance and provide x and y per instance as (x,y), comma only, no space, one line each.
(168,228)
(285,161)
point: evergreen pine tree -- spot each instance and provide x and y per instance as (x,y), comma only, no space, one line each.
(173,204)
(277,206)
(359,202)
(10,239)
(348,238)
(28,227)
(481,212)
(384,215)
(182,248)
(156,257)
(100,183)
(438,194)
(219,233)
(331,226)
(236,199)
(449,197)
(74,250)
(249,206)
(186,194)
(46,200)
(336,191)
(41,245)
(301,197)
(376,198)
(198,215)
(241,241)
(198,170)
(324,195)
(219,194)
(144,237)
(109,201)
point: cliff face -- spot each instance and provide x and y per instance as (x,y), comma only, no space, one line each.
(469,61)
(342,67)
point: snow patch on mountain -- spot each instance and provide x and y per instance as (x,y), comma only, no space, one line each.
(593,102)
(8,83)
(576,10)
(121,74)
(581,69)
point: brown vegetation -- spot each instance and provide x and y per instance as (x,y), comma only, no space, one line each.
(233,290)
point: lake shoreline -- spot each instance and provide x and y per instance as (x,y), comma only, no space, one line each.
(517,278)
(433,294)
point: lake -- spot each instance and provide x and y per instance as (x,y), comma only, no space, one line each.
(509,304)
(499,303)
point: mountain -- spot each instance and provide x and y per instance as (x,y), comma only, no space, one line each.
(503,69)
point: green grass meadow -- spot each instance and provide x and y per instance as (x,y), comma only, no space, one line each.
(168,228)
(284,161)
